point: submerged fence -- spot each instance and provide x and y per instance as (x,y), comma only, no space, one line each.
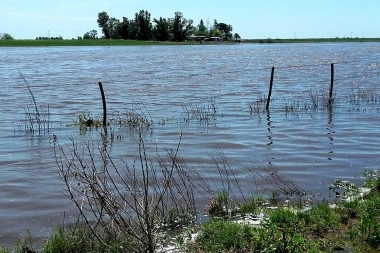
(285,88)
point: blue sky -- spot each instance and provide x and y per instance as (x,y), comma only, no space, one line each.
(28,19)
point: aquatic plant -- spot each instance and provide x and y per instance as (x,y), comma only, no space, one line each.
(37,117)
(202,112)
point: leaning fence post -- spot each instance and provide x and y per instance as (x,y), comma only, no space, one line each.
(270,89)
(331,85)
(104,105)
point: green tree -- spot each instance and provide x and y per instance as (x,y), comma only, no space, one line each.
(224,28)
(180,27)
(133,29)
(113,28)
(161,29)
(201,29)
(215,33)
(142,20)
(86,36)
(123,29)
(6,36)
(237,37)
(93,34)
(103,22)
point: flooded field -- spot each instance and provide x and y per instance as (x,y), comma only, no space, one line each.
(214,95)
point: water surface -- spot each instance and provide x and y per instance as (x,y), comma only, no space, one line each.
(169,84)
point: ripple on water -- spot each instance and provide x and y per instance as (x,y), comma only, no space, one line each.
(210,94)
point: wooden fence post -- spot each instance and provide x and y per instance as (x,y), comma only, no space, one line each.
(104,105)
(270,89)
(331,86)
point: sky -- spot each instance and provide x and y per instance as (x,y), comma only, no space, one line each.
(251,19)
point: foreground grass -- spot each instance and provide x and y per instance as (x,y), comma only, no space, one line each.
(349,226)
(352,225)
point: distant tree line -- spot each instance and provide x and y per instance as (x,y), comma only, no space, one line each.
(49,38)
(6,36)
(142,27)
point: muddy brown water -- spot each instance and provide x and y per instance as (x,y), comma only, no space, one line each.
(209,93)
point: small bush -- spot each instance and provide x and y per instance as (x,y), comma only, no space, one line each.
(252,206)
(323,219)
(79,239)
(4,250)
(223,236)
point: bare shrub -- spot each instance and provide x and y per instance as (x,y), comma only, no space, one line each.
(137,201)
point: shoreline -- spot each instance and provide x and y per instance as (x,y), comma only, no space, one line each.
(111,42)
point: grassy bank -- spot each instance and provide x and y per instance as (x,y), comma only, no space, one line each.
(102,42)
(349,224)
(313,40)
(89,42)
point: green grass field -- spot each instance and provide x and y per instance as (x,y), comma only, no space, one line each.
(314,40)
(95,42)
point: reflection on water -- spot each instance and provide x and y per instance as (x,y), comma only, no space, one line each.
(205,92)
(269,130)
(330,131)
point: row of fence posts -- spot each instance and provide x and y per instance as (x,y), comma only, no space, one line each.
(266,107)
(330,102)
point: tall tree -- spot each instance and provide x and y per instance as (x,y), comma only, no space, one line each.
(103,22)
(201,29)
(225,29)
(180,27)
(161,29)
(123,29)
(237,37)
(112,27)
(144,25)
(133,29)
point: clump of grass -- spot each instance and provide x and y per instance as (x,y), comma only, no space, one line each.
(202,112)
(78,238)
(87,120)
(218,205)
(252,206)
(322,219)
(258,105)
(222,236)
(357,96)
(37,122)
(134,120)
(133,117)
(373,179)
(4,250)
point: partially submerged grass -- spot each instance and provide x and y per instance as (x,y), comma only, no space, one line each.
(85,122)
(318,101)
(202,112)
